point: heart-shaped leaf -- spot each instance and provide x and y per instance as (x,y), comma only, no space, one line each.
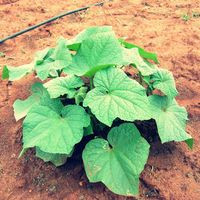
(15,73)
(56,159)
(97,52)
(117,96)
(39,95)
(170,119)
(119,161)
(163,80)
(144,67)
(51,60)
(63,85)
(74,44)
(54,131)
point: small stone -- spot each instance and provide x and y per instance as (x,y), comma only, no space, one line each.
(189,175)
(81,197)
(13,155)
(81,183)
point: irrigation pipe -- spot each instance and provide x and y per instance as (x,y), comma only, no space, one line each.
(50,20)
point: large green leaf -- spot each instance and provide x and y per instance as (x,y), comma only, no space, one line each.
(144,67)
(119,161)
(56,159)
(54,131)
(63,85)
(39,95)
(15,73)
(142,52)
(44,63)
(116,95)
(97,52)
(128,56)
(40,56)
(74,44)
(164,81)
(61,51)
(170,119)
(49,61)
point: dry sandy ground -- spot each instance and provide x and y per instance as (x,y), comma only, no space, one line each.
(173,171)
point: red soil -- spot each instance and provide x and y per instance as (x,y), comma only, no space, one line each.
(173,171)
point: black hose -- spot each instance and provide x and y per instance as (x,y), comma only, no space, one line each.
(49,20)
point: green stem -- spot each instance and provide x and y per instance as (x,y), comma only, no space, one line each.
(149,91)
(91,83)
(140,77)
(59,72)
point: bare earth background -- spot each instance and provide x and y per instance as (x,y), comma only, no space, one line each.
(173,171)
